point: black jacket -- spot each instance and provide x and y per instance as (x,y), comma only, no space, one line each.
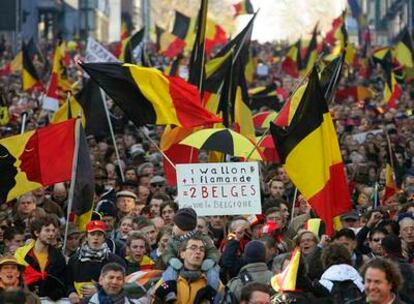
(54,283)
(87,271)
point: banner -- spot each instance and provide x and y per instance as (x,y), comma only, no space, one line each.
(219,188)
(95,52)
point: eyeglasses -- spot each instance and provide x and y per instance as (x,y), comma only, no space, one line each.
(377,240)
(196,248)
(157,185)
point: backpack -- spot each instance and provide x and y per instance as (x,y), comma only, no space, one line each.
(345,292)
(229,297)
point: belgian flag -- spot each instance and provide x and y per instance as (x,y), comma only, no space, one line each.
(390,179)
(310,154)
(264,96)
(392,90)
(147,96)
(82,189)
(311,52)
(243,7)
(89,104)
(168,44)
(129,44)
(292,63)
(30,78)
(35,159)
(197,59)
(124,37)
(404,50)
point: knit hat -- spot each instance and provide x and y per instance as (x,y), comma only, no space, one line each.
(106,208)
(392,245)
(254,252)
(186,219)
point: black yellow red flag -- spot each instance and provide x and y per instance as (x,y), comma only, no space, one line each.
(310,154)
(147,96)
(30,78)
(197,59)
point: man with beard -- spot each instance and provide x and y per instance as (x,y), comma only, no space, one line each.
(84,267)
(45,266)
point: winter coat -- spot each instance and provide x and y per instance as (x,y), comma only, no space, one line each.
(258,272)
(87,271)
(50,283)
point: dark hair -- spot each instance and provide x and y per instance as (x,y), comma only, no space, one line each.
(274,203)
(405,206)
(377,230)
(169,203)
(395,228)
(183,245)
(268,241)
(251,287)
(335,254)
(10,232)
(161,196)
(271,210)
(112,267)
(37,224)
(391,270)
(136,235)
(162,231)
(348,233)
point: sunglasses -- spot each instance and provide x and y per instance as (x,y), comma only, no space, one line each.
(157,185)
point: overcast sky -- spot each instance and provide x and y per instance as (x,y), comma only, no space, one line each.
(290,19)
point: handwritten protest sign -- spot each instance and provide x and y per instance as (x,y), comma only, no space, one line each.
(219,188)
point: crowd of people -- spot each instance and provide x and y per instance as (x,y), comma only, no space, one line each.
(140,247)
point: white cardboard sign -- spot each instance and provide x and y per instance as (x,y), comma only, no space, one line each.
(219,188)
(95,52)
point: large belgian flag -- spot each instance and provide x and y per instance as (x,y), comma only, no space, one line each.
(30,78)
(37,158)
(147,96)
(310,154)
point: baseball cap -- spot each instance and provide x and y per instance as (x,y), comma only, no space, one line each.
(95,226)
(353,216)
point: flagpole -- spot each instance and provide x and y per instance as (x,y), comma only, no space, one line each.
(156,146)
(24,119)
(376,195)
(390,151)
(293,205)
(111,130)
(72,182)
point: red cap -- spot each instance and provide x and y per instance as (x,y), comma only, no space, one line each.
(95,226)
